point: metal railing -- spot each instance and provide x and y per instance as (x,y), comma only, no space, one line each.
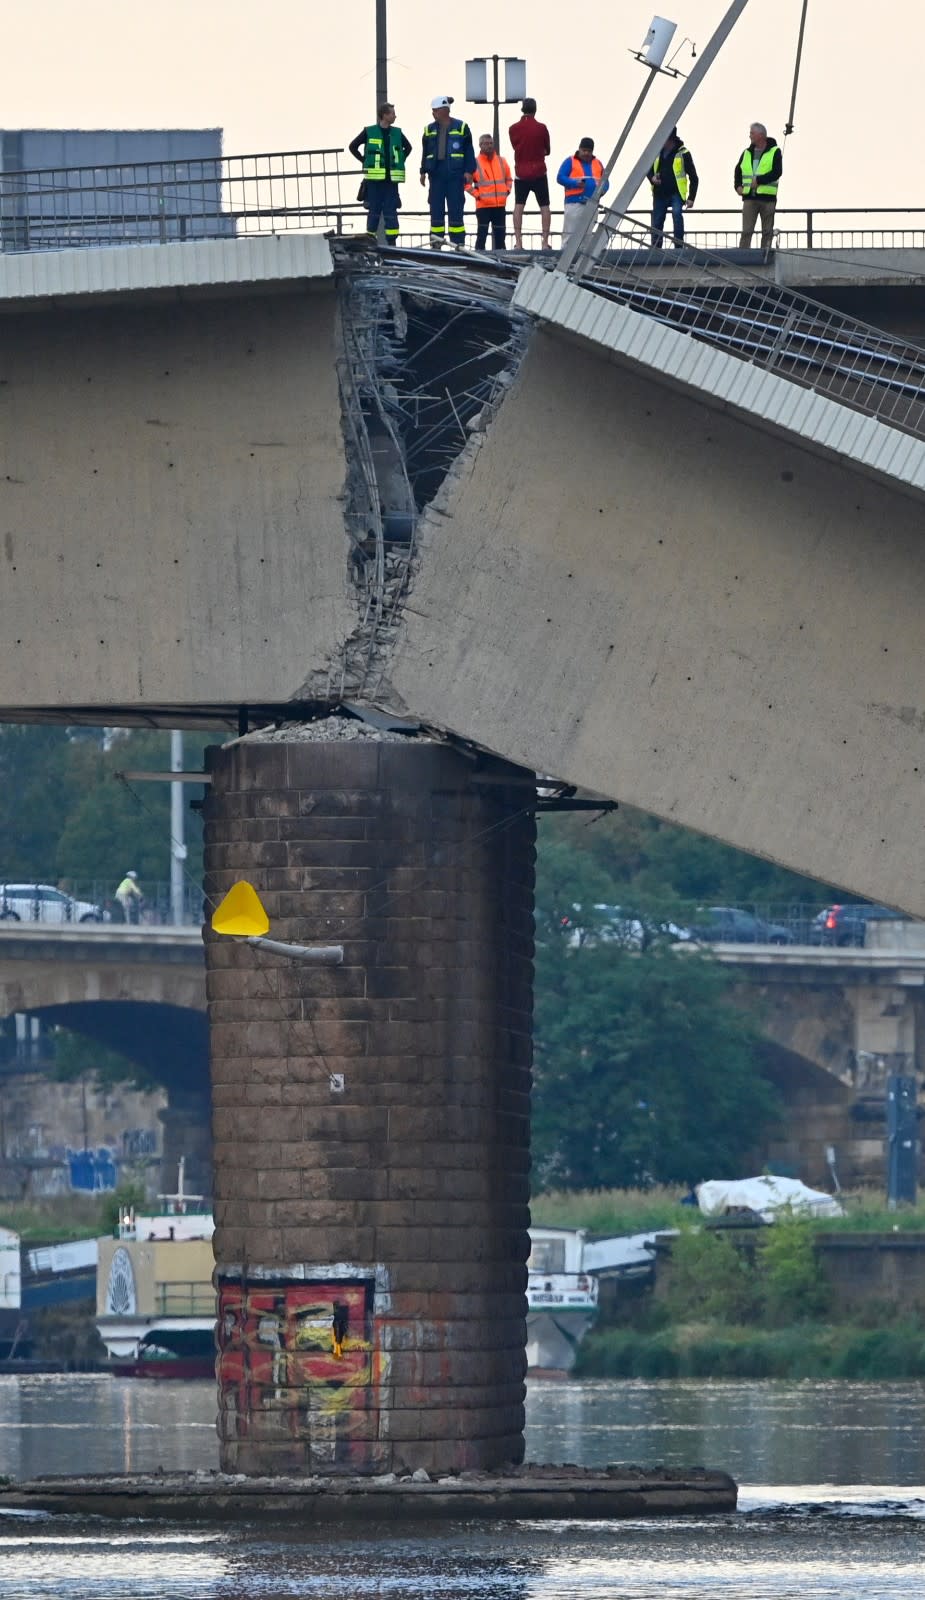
(72,902)
(211,197)
(752,923)
(759,321)
(218,197)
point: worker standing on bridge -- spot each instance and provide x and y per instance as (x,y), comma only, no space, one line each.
(383,149)
(579,175)
(530,142)
(489,186)
(674,181)
(447,159)
(757,174)
(130,897)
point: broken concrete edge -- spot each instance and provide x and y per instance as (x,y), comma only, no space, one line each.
(552,1493)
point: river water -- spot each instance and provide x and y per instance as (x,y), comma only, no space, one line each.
(832,1502)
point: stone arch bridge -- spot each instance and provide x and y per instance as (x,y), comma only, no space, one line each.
(139,991)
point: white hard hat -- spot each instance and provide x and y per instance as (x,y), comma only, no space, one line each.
(131,874)
(440,100)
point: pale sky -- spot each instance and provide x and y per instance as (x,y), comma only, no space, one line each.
(299,74)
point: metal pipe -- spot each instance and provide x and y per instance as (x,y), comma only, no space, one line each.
(325,955)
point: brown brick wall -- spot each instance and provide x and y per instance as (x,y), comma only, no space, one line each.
(420,1168)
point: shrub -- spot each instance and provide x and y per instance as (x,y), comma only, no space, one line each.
(791,1286)
(710,1279)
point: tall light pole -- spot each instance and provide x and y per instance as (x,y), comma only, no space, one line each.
(382,52)
(177,842)
(515,85)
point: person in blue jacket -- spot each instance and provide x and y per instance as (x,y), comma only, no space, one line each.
(579,176)
(447,159)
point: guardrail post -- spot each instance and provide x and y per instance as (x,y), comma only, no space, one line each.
(809,230)
(161,214)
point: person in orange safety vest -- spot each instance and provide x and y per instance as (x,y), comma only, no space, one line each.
(579,176)
(489,187)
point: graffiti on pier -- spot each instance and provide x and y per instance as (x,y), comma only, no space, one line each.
(300,1358)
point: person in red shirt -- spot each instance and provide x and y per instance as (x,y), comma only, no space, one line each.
(530,140)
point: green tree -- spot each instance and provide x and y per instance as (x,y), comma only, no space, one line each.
(114,825)
(76,1057)
(792,1287)
(644,1071)
(34,799)
(709,1279)
(654,863)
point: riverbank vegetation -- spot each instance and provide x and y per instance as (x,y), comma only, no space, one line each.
(752,1303)
(606,1212)
(69,1216)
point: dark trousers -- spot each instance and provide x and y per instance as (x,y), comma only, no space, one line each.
(447,201)
(492,216)
(661,205)
(382,202)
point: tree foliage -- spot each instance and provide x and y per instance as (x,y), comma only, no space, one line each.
(65,815)
(645,1072)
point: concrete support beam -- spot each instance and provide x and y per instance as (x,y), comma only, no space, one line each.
(393,1213)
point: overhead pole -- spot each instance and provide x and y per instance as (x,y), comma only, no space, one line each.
(177,838)
(576,254)
(382,52)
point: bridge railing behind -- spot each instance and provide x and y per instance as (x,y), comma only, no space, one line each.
(761,322)
(59,208)
(93,900)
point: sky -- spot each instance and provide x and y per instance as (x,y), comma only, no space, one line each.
(300,74)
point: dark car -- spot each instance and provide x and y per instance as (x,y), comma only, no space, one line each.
(729,925)
(847,925)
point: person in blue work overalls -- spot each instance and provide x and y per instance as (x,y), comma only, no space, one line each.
(447,159)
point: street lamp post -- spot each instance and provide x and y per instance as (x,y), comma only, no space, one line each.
(382,61)
(515,84)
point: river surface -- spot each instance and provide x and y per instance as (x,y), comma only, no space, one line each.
(832,1502)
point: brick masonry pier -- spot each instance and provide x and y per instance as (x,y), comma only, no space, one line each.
(371,1242)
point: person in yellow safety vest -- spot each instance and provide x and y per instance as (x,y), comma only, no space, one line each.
(757,174)
(130,897)
(383,150)
(489,185)
(579,176)
(674,181)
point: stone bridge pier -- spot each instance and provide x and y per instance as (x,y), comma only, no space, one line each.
(371,1238)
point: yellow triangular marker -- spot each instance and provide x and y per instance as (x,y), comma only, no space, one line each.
(241,913)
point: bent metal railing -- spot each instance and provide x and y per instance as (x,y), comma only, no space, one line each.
(749,315)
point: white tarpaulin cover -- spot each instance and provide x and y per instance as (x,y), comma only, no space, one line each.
(765,1196)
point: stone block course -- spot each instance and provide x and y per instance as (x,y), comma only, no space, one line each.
(420,1169)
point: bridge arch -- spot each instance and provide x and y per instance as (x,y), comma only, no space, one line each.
(141,996)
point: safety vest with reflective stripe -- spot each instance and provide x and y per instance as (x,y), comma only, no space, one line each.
(374,154)
(761,171)
(492,183)
(679,170)
(579,177)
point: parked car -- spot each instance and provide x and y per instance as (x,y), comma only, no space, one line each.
(729,925)
(614,925)
(847,925)
(39,902)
